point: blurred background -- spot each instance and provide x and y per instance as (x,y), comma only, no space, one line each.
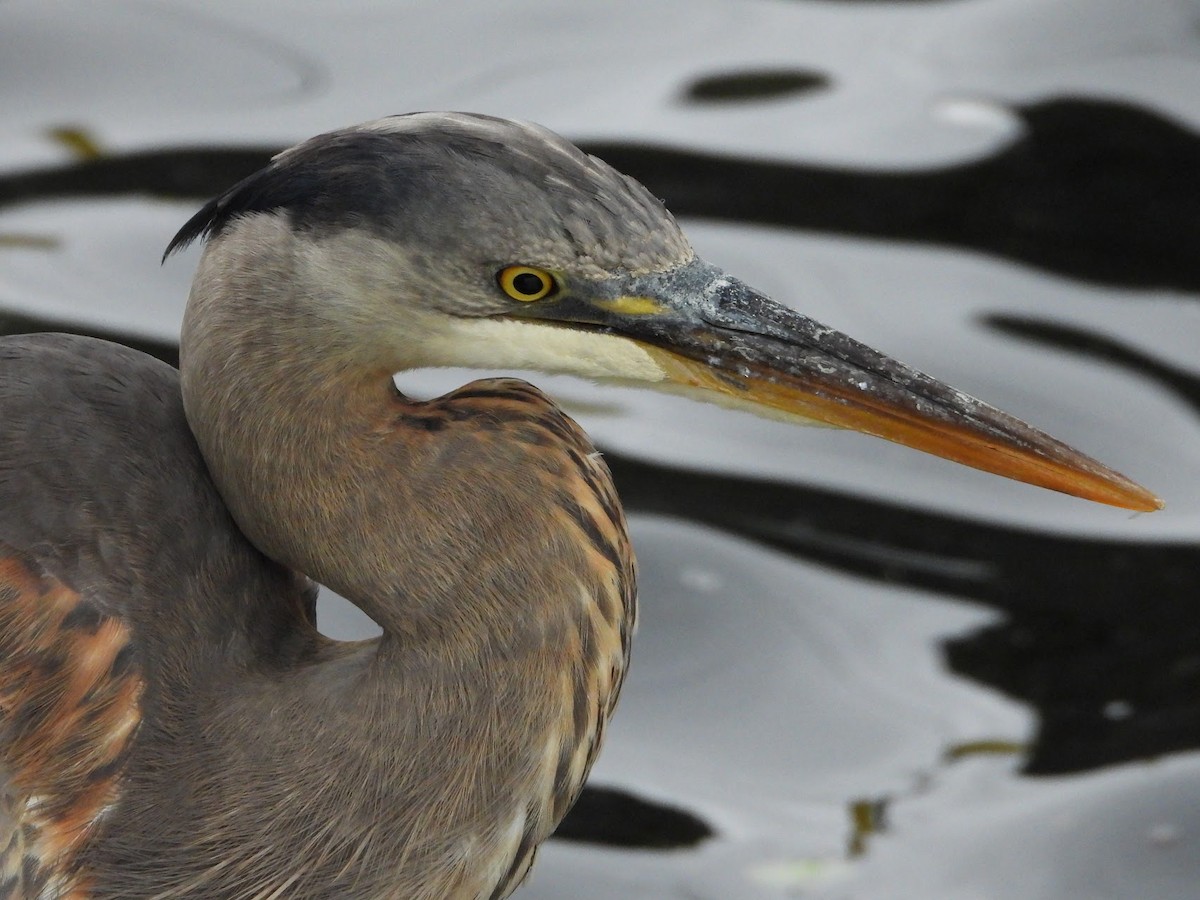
(860,673)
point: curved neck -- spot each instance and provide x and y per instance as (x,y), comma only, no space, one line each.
(431,516)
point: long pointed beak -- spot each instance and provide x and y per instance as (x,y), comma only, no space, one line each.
(711,332)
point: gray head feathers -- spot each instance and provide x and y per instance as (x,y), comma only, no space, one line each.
(458,185)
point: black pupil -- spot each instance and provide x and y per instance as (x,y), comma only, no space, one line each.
(529,284)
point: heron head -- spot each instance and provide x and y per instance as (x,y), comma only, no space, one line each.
(450,239)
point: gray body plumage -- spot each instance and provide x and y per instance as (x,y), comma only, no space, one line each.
(101,484)
(267,756)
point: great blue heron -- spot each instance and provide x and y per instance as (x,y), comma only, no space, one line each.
(172,724)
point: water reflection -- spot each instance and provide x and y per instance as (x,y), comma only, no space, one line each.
(1061,197)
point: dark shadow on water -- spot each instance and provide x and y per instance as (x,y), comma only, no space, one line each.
(616,818)
(753,85)
(176,173)
(1073,339)
(1092,626)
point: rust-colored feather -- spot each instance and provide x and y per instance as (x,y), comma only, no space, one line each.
(587,513)
(69,707)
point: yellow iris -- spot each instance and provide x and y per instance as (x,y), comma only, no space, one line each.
(525,283)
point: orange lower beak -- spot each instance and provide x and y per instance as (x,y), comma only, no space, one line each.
(975,435)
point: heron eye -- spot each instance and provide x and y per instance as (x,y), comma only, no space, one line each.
(526,284)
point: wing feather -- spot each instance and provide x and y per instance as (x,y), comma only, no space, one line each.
(70,691)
